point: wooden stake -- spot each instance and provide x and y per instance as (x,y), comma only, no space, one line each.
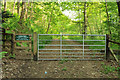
(35,56)
(114,55)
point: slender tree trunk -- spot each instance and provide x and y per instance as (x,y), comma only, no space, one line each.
(31,4)
(22,12)
(18,7)
(101,23)
(5,5)
(27,10)
(79,18)
(118,3)
(30,16)
(97,24)
(85,19)
(108,21)
(49,22)
(13,7)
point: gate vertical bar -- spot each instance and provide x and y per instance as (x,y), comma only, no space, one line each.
(60,46)
(38,48)
(83,46)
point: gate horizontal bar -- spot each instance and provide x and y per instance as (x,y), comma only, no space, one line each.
(76,59)
(72,52)
(70,34)
(71,45)
(94,40)
(71,49)
(68,56)
(72,40)
(60,49)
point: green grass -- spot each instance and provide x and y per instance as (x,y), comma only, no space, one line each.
(43,41)
(109,69)
(62,61)
(64,69)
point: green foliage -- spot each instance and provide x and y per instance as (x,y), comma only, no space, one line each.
(62,61)
(64,69)
(25,44)
(109,69)
(2,54)
(45,40)
(51,16)
(18,44)
(12,23)
(11,56)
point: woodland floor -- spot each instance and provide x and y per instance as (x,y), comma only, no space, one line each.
(24,67)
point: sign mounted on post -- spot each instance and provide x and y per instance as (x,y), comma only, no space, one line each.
(22,37)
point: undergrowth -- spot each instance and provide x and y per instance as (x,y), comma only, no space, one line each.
(109,69)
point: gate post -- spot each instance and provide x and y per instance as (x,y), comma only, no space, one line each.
(107,47)
(35,56)
(3,31)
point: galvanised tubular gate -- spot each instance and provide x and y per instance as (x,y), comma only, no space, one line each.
(46,52)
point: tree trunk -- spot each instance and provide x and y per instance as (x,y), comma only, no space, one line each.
(85,18)
(5,5)
(30,16)
(118,3)
(27,10)
(13,7)
(31,4)
(79,18)
(22,12)
(49,22)
(18,7)
(108,21)
(98,30)
(101,23)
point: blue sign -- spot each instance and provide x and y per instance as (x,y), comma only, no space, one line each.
(22,37)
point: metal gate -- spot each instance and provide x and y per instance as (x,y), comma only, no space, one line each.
(71,47)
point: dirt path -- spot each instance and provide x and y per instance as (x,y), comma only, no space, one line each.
(24,67)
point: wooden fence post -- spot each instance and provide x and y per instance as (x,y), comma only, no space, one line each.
(119,71)
(3,30)
(107,47)
(35,56)
(12,43)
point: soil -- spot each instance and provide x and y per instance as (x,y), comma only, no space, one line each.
(24,67)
